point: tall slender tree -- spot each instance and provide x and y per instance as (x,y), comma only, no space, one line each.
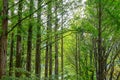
(38,42)
(79,56)
(19,44)
(50,39)
(29,42)
(62,55)
(76,57)
(56,40)
(48,55)
(100,55)
(11,65)
(11,55)
(3,39)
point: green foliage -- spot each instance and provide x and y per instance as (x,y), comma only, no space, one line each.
(85,27)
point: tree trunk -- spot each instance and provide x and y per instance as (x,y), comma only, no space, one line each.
(29,42)
(62,55)
(100,54)
(76,57)
(11,56)
(19,44)
(62,58)
(38,43)
(50,38)
(3,39)
(11,48)
(56,41)
(46,60)
(79,55)
(48,57)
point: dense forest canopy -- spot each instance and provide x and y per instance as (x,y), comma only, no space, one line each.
(59,40)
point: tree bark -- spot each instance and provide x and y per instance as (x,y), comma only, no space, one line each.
(11,56)
(76,56)
(50,39)
(38,42)
(11,47)
(19,44)
(3,39)
(56,41)
(79,55)
(62,55)
(29,42)
(46,61)
(100,54)
(48,57)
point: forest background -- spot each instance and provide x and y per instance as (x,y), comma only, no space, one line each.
(59,39)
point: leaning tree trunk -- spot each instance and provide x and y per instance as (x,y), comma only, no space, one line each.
(3,39)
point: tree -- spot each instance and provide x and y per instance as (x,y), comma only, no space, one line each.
(100,54)
(76,57)
(48,56)
(11,62)
(19,43)
(38,42)
(49,25)
(62,48)
(56,40)
(29,42)
(3,39)
(11,55)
